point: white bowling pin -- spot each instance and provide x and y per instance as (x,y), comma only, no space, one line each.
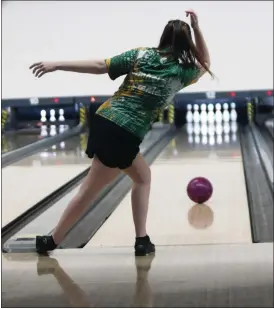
(43,114)
(233,113)
(226,138)
(234,126)
(211,129)
(44,131)
(219,128)
(211,133)
(52,130)
(61,115)
(196,115)
(204,139)
(212,140)
(210,114)
(190,139)
(203,115)
(218,113)
(189,115)
(61,128)
(226,116)
(204,129)
(189,128)
(226,127)
(234,129)
(197,128)
(52,115)
(197,139)
(219,139)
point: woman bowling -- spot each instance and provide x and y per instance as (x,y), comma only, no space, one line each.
(153,77)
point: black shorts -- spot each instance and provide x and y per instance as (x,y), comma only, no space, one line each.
(114,146)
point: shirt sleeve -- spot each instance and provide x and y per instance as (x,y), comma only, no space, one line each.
(121,64)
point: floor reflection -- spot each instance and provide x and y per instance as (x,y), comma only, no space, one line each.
(200,216)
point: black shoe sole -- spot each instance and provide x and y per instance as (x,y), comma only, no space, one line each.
(144,252)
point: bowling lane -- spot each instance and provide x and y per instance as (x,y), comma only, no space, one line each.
(29,180)
(174,219)
(13,141)
(270,126)
(48,220)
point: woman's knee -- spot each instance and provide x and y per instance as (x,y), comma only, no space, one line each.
(139,172)
(145,177)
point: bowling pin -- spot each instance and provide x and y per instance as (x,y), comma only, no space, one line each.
(52,115)
(52,131)
(61,128)
(226,132)
(44,131)
(196,115)
(197,128)
(189,129)
(204,139)
(233,113)
(211,133)
(62,145)
(218,114)
(190,139)
(226,127)
(211,129)
(204,129)
(234,129)
(211,140)
(189,115)
(226,116)
(210,115)
(197,139)
(219,131)
(203,115)
(61,115)
(43,114)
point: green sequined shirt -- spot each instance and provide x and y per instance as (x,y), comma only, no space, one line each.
(152,79)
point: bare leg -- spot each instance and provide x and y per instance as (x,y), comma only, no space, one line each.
(98,177)
(140,174)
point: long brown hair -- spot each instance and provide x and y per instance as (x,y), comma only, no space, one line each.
(177,39)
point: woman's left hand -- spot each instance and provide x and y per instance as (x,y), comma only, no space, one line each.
(41,68)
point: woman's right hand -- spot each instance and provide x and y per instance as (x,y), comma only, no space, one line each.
(193,18)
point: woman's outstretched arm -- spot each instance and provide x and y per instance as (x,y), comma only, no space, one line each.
(84,66)
(200,42)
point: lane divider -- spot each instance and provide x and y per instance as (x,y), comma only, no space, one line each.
(4,118)
(5,146)
(83,141)
(171,114)
(250,111)
(161,115)
(83,115)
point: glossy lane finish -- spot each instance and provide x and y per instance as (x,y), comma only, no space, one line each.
(29,180)
(46,222)
(14,141)
(173,218)
(181,276)
(270,125)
